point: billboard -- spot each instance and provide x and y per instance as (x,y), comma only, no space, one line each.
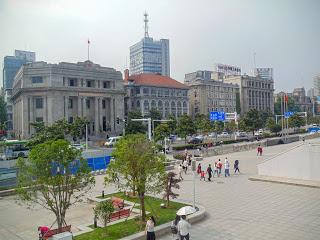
(227,69)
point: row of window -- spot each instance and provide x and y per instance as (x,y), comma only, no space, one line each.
(88,102)
(259,84)
(160,92)
(74,82)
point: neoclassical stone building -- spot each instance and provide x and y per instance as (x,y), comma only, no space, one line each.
(49,92)
(145,91)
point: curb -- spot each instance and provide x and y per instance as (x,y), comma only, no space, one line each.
(166,227)
(288,181)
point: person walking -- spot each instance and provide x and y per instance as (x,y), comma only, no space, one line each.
(199,168)
(174,228)
(209,171)
(180,170)
(203,176)
(183,228)
(219,166)
(260,151)
(236,166)
(215,169)
(226,168)
(150,229)
(185,166)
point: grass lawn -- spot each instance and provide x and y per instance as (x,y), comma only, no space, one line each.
(120,230)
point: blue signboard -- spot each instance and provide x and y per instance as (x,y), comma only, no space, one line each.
(288,114)
(217,116)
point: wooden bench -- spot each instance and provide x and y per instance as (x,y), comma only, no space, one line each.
(52,232)
(119,214)
(117,202)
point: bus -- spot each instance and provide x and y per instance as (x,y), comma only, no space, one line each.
(13,149)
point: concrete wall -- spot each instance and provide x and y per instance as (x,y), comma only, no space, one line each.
(300,162)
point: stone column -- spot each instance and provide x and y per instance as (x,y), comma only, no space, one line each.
(44,110)
(84,107)
(96,116)
(101,114)
(112,114)
(79,106)
(66,107)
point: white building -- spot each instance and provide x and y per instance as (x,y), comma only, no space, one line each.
(264,73)
(45,92)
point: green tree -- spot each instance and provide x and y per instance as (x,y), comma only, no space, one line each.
(242,125)
(171,181)
(272,126)
(265,115)
(154,114)
(172,124)
(296,121)
(185,126)
(162,131)
(231,126)
(138,166)
(3,112)
(202,123)
(313,119)
(292,107)
(135,127)
(217,126)
(77,128)
(47,178)
(253,120)
(103,211)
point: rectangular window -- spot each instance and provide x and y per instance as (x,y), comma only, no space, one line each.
(39,119)
(88,103)
(72,82)
(90,83)
(137,90)
(70,105)
(39,103)
(70,119)
(103,104)
(106,84)
(37,79)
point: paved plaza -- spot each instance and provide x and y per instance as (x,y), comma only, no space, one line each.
(236,207)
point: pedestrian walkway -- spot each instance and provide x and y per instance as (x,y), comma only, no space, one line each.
(241,209)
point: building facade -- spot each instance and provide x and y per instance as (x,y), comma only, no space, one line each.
(150,56)
(264,73)
(45,92)
(316,85)
(11,65)
(206,94)
(254,92)
(301,100)
(146,91)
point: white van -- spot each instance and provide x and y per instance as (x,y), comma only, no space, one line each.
(111,141)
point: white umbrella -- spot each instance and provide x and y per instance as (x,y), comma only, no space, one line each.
(186,210)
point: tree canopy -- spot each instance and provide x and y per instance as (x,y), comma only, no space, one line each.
(3,113)
(135,127)
(296,121)
(55,176)
(291,106)
(161,131)
(137,167)
(202,123)
(252,120)
(185,126)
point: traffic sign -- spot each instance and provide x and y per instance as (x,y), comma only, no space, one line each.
(288,114)
(217,116)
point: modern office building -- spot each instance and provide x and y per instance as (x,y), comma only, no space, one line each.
(254,92)
(149,55)
(45,92)
(145,91)
(207,94)
(301,100)
(11,65)
(264,73)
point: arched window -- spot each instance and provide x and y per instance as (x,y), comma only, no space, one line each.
(179,106)
(160,106)
(185,108)
(138,104)
(153,104)
(166,109)
(146,106)
(173,108)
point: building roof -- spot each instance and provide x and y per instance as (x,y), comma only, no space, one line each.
(156,80)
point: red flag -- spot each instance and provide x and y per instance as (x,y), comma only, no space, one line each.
(286,98)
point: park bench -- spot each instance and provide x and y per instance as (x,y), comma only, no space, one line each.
(119,214)
(52,232)
(117,202)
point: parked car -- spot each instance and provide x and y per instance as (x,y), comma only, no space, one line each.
(201,137)
(77,146)
(194,140)
(241,135)
(224,134)
(111,141)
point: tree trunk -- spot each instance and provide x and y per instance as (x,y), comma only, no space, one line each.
(143,209)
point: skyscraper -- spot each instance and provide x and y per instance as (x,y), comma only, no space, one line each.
(149,55)
(264,73)
(11,65)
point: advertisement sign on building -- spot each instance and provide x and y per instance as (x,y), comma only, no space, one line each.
(227,69)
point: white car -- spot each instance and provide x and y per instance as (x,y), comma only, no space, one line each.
(224,134)
(77,146)
(111,141)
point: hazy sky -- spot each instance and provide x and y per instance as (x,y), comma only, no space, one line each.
(285,34)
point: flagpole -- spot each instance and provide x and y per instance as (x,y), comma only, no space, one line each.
(88,49)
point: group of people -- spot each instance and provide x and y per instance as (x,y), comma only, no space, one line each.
(216,169)
(179,227)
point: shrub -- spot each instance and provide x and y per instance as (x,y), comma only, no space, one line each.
(178,156)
